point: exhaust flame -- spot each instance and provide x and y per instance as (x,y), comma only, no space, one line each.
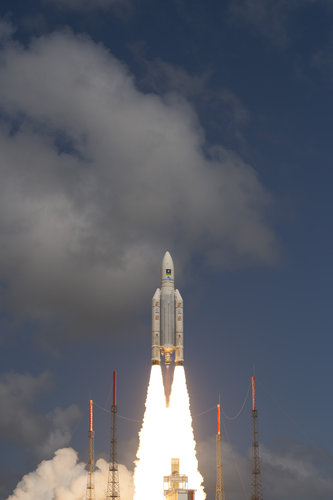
(150,463)
(183,442)
(166,433)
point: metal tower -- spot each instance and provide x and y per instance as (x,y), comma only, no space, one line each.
(256,480)
(90,495)
(113,492)
(219,495)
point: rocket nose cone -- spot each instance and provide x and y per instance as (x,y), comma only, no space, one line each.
(167,271)
(167,260)
(167,257)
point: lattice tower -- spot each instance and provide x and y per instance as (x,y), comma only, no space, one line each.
(113,491)
(90,493)
(256,473)
(219,495)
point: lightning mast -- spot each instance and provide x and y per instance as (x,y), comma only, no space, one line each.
(112,492)
(219,495)
(90,495)
(256,479)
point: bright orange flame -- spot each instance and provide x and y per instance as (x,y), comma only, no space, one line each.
(166,433)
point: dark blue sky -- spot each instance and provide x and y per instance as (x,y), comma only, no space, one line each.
(131,127)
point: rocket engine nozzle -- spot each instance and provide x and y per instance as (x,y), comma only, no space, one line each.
(167,358)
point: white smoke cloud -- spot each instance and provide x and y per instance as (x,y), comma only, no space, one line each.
(295,471)
(64,478)
(99,179)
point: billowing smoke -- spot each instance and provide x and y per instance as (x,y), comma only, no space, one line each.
(64,478)
(99,178)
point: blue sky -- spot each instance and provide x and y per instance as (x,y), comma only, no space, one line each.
(128,128)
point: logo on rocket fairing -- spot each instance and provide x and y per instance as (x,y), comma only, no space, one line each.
(168,274)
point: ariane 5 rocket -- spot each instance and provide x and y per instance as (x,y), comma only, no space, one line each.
(167,318)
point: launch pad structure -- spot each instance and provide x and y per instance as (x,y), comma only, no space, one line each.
(176,485)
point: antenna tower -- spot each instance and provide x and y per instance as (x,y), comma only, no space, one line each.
(219,495)
(256,480)
(112,492)
(90,495)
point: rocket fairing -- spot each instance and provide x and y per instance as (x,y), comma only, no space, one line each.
(167,318)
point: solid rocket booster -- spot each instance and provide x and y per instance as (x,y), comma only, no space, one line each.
(167,317)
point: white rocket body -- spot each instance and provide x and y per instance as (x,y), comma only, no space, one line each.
(167,317)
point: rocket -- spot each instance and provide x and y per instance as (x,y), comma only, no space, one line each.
(167,318)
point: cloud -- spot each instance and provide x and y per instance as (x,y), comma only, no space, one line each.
(6,30)
(291,470)
(162,78)
(98,179)
(64,478)
(84,5)
(34,23)
(21,424)
(297,471)
(323,59)
(269,18)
